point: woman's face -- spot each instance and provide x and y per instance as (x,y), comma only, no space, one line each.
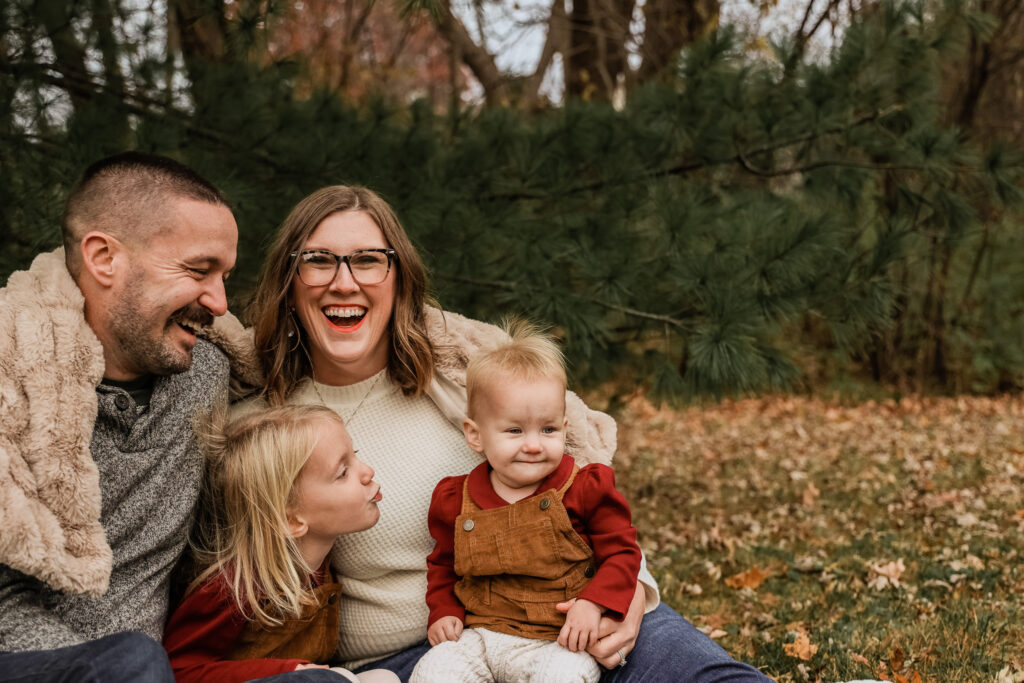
(346,323)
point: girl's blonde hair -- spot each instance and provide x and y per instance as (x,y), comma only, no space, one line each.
(285,358)
(530,354)
(253,463)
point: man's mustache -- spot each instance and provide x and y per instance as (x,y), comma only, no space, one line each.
(192,316)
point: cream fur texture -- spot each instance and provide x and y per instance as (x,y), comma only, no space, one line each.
(50,365)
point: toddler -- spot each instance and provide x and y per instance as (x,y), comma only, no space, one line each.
(523,532)
(283,483)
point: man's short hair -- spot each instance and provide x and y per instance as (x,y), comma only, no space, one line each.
(531,354)
(126,196)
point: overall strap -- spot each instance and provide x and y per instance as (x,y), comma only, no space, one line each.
(468,505)
(568,482)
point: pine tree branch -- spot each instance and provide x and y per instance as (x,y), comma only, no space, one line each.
(52,147)
(504,285)
(828,163)
(684,168)
(131,102)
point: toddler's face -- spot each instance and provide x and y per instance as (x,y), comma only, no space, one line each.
(519,425)
(335,491)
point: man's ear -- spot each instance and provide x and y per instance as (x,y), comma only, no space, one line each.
(297,526)
(472,433)
(99,256)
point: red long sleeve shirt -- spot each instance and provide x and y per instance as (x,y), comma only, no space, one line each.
(203,632)
(597,511)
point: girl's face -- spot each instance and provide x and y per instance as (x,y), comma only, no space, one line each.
(346,323)
(335,491)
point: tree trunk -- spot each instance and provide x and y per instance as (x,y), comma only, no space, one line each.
(110,49)
(596,59)
(202,30)
(57,16)
(671,25)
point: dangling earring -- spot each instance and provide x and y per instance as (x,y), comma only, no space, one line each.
(292,329)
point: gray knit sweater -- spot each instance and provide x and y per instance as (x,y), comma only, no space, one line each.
(150,471)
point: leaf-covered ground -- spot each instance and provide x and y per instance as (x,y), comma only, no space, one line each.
(825,542)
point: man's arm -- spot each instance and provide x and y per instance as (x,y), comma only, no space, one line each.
(25,624)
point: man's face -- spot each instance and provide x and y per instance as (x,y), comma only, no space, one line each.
(174,285)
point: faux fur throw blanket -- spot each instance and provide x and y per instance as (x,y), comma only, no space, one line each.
(50,365)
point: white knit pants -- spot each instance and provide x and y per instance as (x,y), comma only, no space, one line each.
(482,656)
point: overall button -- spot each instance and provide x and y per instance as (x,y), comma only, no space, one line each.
(468,525)
(122,402)
(589,571)
(545,503)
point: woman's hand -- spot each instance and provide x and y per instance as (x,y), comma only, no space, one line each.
(445,628)
(311,665)
(615,636)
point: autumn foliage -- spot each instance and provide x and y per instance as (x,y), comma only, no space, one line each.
(822,541)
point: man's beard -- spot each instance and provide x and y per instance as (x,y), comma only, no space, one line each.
(139,349)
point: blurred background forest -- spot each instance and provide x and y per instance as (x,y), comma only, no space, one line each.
(705,197)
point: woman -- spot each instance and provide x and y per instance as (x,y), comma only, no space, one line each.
(341,318)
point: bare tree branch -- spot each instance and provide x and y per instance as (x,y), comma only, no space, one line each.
(626,310)
(476,57)
(803,35)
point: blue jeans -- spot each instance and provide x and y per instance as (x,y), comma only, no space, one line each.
(113,659)
(304,676)
(668,650)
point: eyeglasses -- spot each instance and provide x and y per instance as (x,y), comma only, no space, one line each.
(319,267)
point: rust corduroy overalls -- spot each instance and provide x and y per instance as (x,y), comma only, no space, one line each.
(518,561)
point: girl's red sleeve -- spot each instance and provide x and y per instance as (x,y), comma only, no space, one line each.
(202,633)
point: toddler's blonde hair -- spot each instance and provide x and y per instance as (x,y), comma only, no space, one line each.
(253,463)
(531,354)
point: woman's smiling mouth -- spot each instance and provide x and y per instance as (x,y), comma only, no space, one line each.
(345,318)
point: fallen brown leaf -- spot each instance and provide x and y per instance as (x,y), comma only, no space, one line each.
(752,578)
(800,648)
(896,659)
(811,494)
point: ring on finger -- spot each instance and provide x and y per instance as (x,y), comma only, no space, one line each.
(622,658)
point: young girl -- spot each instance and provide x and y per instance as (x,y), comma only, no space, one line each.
(283,483)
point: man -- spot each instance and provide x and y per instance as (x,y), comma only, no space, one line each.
(101,378)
